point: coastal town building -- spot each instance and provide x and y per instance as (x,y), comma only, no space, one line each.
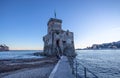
(112,45)
(4,48)
(58,41)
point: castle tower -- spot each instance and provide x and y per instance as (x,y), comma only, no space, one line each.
(54,25)
(58,41)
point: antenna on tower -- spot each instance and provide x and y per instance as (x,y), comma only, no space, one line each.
(55,13)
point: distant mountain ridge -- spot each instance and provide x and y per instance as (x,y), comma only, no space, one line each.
(112,45)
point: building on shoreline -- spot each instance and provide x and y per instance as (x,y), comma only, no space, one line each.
(57,41)
(111,45)
(4,48)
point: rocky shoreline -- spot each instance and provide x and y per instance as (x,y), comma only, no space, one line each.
(11,66)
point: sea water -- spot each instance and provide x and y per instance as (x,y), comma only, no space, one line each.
(103,63)
(19,54)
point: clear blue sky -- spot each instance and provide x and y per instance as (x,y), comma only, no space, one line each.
(23,23)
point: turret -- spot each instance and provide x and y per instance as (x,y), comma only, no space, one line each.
(54,24)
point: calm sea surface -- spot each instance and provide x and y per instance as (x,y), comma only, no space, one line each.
(18,54)
(103,63)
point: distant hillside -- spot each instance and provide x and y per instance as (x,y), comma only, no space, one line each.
(112,45)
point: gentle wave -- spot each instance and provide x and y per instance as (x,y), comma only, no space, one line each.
(104,63)
(19,54)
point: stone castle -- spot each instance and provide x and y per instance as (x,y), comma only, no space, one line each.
(57,41)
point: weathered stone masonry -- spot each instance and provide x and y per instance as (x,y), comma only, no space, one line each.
(58,41)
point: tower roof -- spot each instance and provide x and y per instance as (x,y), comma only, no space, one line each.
(54,20)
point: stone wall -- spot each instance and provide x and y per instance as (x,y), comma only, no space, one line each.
(58,41)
